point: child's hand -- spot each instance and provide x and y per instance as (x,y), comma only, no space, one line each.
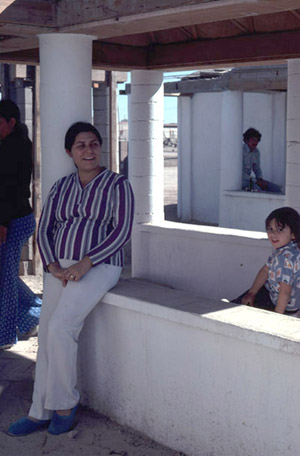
(248,299)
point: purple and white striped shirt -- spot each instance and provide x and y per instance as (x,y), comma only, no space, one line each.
(95,220)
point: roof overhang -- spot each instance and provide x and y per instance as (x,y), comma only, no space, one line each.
(157,34)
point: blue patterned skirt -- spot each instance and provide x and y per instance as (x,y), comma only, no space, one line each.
(19,306)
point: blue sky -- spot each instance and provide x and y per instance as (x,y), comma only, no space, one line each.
(170,106)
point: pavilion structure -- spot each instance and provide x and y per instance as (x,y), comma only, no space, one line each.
(192,379)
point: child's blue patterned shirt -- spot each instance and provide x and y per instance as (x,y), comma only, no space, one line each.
(284,266)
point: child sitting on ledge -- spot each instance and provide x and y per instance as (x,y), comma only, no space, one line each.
(277,284)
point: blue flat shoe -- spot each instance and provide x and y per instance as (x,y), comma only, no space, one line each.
(25,426)
(60,424)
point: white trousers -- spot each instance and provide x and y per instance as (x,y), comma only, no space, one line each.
(62,317)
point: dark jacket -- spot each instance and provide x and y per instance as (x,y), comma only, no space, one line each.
(15,176)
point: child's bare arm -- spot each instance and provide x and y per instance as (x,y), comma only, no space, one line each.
(259,281)
(283,297)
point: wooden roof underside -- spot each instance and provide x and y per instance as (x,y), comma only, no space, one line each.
(157,34)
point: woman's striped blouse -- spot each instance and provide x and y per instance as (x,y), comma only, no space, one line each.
(95,220)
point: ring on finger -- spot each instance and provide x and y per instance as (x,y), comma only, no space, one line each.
(72,277)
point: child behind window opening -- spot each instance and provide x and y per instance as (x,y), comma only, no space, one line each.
(277,284)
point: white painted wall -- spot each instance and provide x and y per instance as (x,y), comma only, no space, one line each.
(216,124)
(199,376)
(206,109)
(248,210)
(209,261)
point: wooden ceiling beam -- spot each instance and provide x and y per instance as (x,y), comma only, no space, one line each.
(258,48)
(296,14)
(240,26)
(26,57)
(105,56)
(188,33)
(207,53)
(116,56)
(12,44)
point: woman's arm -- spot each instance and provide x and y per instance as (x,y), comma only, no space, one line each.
(259,281)
(123,211)
(46,229)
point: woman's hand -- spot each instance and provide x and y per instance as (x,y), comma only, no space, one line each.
(78,270)
(248,299)
(58,272)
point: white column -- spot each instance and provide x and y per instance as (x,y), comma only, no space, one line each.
(101,119)
(293,136)
(146,145)
(146,164)
(65,98)
(231,149)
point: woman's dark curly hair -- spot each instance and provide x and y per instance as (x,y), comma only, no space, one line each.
(286,216)
(80,127)
(251,133)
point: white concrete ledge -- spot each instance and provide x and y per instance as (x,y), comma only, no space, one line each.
(258,326)
(259,195)
(191,230)
(200,376)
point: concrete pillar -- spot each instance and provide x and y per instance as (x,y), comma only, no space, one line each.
(101,118)
(146,164)
(184,206)
(293,136)
(65,98)
(146,145)
(231,146)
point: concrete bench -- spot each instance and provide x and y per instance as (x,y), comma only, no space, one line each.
(200,376)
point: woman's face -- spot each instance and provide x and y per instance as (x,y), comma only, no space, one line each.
(86,152)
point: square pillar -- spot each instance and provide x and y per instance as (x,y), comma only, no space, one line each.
(293,136)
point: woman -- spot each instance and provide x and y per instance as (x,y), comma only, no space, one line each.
(86,220)
(19,307)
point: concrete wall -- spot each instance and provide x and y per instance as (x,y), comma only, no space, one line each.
(215,123)
(248,210)
(209,261)
(202,377)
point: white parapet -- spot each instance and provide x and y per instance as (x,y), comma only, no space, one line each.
(203,377)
